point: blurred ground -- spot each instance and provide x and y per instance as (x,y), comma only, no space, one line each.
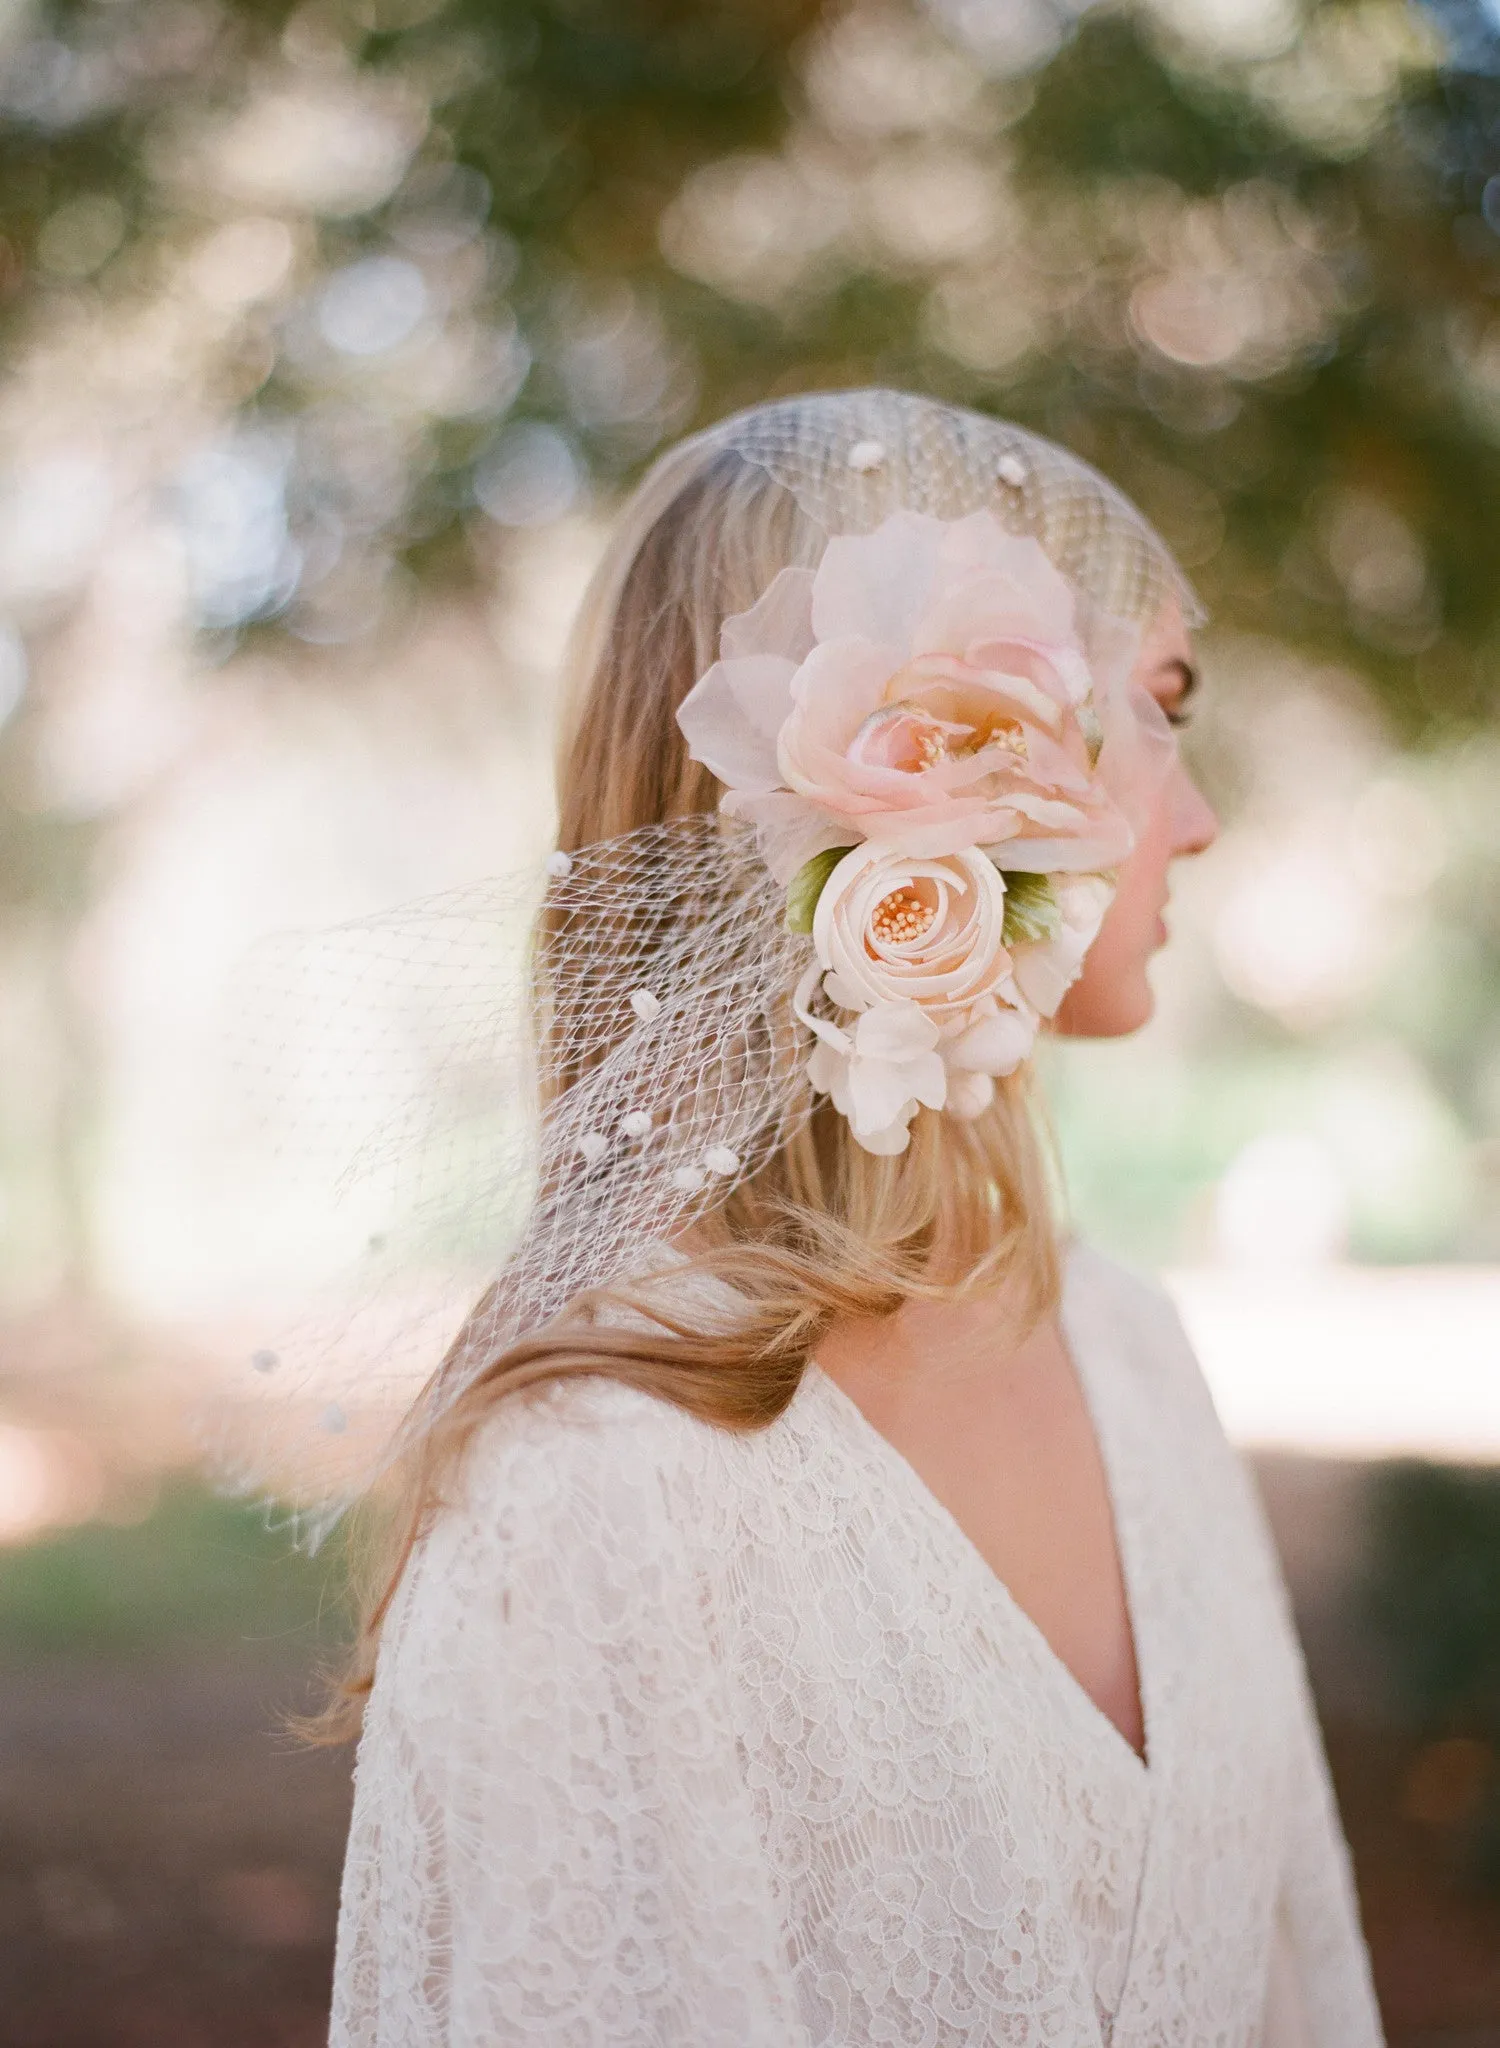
(169,1857)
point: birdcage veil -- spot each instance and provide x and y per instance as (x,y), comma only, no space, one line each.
(460,1117)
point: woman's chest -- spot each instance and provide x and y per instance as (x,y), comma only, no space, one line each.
(951,1822)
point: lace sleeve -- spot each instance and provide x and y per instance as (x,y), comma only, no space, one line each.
(1321,1995)
(552,1839)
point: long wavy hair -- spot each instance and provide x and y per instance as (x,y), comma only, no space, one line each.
(825,1230)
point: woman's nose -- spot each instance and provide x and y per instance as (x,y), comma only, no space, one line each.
(1195,826)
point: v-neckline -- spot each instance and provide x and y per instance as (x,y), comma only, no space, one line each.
(1123,1535)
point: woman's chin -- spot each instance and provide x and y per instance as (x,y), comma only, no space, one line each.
(1123,1005)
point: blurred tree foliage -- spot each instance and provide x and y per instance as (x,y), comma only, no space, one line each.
(436,265)
(1432,1598)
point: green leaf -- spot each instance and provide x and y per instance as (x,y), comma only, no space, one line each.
(806,886)
(1032,910)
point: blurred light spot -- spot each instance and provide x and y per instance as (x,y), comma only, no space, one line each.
(48,1479)
(53,514)
(441,208)
(373,305)
(1404,1155)
(469,370)
(988,318)
(36,77)
(80,236)
(753,225)
(1238,283)
(1396,839)
(931,205)
(1373,552)
(1236,29)
(1008,36)
(616,364)
(1334,85)
(271,1908)
(242,262)
(352,472)
(1282,1201)
(531,478)
(881,74)
(241,562)
(1298,936)
(1200,320)
(14,670)
(1447,1781)
(336,147)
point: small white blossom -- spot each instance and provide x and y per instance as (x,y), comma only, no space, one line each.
(559,865)
(636,1124)
(720,1159)
(593,1145)
(688,1179)
(865,456)
(1012,470)
(646,1006)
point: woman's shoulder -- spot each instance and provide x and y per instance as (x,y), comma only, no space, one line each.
(581,1513)
(1109,1304)
(582,1467)
(1092,1276)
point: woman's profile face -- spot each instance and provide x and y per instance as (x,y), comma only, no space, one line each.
(1113,994)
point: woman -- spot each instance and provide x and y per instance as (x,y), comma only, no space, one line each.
(829,1611)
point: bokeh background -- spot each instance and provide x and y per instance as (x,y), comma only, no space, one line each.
(331,335)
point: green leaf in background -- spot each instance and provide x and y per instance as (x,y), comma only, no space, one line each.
(1032,910)
(806,886)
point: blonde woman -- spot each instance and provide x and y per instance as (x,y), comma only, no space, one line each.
(826,1611)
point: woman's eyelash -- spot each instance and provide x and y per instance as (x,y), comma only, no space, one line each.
(1179,718)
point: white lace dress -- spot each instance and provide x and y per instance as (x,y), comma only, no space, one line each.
(681,1739)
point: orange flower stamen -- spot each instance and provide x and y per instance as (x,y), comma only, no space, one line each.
(901,917)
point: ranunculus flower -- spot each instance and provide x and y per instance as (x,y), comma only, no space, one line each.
(926,687)
(888,927)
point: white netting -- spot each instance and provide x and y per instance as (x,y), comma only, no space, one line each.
(851,458)
(466,1113)
(394,1066)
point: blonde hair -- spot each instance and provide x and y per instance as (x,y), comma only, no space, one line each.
(825,1230)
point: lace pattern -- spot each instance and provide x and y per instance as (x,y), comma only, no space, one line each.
(686,1738)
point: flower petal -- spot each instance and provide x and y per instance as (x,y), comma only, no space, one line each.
(897,1030)
(779,622)
(731,716)
(791,828)
(880,1089)
(969,1095)
(887,1143)
(875,586)
(995,1045)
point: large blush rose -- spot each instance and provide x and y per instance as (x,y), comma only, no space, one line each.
(926,687)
